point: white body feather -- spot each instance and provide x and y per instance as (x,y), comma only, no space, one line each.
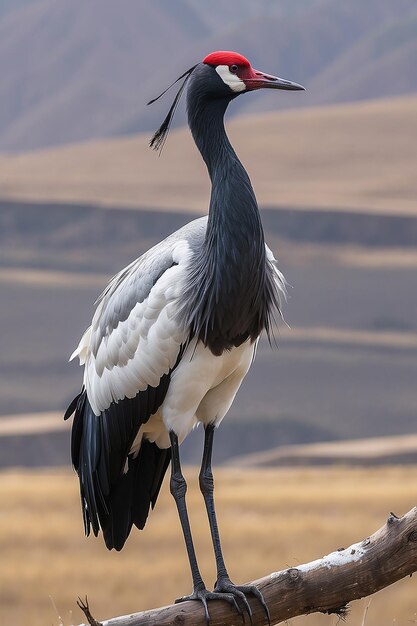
(145,344)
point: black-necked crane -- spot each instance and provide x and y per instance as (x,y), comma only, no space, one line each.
(173,336)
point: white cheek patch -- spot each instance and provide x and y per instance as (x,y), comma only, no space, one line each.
(234,82)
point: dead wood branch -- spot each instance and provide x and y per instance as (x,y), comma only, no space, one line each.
(326,585)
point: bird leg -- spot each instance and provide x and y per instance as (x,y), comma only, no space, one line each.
(178,488)
(223,585)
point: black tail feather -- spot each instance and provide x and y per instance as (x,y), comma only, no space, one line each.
(112,498)
(117,489)
(134,493)
(117,524)
(70,410)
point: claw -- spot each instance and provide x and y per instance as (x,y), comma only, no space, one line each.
(238,609)
(203,595)
(229,592)
(225,586)
(246,606)
(258,595)
(206,611)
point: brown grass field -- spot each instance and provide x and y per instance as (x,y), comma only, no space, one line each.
(359,156)
(270,519)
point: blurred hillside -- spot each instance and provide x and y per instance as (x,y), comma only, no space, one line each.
(336,185)
(360,157)
(74,70)
(345,369)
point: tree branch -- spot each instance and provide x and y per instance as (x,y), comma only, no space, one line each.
(325,585)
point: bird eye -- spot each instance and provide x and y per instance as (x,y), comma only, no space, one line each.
(233,69)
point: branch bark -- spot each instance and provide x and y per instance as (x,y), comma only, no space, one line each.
(325,585)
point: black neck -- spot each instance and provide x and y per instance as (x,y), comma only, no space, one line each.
(206,121)
(233,207)
(229,275)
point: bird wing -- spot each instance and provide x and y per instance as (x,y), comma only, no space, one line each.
(278,277)
(135,335)
(130,350)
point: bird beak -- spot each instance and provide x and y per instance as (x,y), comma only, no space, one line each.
(259,80)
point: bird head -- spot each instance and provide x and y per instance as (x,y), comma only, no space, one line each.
(238,75)
(222,74)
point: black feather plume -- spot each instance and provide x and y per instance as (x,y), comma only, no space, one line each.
(158,140)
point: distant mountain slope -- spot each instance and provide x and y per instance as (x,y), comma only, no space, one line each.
(72,70)
(390,53)
(401,449)
(10,6)
(360,157)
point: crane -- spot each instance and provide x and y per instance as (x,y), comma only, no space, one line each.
(174,334)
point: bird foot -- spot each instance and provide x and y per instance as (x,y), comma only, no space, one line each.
(225,586)
(203,595)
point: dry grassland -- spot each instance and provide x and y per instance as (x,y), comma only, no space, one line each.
(359,156)
(269,519)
